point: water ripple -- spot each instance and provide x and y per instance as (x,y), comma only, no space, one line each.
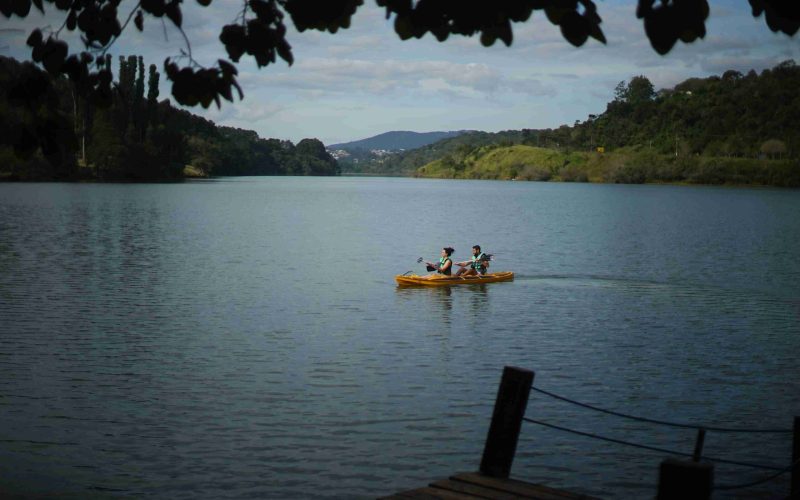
(151,344)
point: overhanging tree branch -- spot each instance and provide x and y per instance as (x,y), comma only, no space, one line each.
(263,35)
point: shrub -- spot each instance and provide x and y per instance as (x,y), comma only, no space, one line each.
(709,172)
(535,173)
(624,174)
(773,148)
(573,173)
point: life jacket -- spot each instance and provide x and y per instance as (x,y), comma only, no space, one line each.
(477,264)
(442,260)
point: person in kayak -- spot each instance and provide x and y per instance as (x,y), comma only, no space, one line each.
(478,264)
(445,264)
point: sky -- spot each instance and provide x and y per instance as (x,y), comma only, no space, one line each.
(364,81)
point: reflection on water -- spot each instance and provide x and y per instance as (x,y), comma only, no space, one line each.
(479,297)
(246,337)
(469,301)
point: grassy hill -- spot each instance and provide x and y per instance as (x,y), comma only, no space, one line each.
(496,162)
(626,165)
(407,162)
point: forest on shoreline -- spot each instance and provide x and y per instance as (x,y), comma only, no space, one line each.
(730,129)
(644,135)
(128,135)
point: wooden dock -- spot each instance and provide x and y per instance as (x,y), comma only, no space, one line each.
(474,485)
(492,481)
(678,479)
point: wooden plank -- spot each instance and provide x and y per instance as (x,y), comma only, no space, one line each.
(405,495)
(473,489)
(474,486)
(520,488)
(397,496)
(431,493)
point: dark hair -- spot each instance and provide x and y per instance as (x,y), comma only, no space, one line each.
(477,247)
(448,250)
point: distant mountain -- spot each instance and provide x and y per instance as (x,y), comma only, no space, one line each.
(396,140)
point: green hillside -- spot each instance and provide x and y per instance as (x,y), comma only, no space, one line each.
(497,162)
(734,129)
(407,162)
(628,166)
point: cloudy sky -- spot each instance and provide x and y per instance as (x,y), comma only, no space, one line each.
(364,81)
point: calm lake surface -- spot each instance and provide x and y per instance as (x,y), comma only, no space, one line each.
(245,337)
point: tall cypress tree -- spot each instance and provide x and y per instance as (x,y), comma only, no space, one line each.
(152,95)
(152,84)
(137,106)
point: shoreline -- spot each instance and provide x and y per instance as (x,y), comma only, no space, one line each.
(6,179)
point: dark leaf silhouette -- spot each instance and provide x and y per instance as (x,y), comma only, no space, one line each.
(260,32)
(21,7)
(575,28)
(330,15)
(53,55)
(154,7)
(233,36)
(173,12)
(780,16)
(72,20)
(35,38)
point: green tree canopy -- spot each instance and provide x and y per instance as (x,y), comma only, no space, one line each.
(636,91)
(640,90)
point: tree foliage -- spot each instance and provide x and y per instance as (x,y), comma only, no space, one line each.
(773,148)
(134,138)
(259,31)
(640,91)
(35,119)
(732,116)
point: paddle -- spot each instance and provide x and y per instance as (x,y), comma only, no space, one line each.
(427,265)
(486,258)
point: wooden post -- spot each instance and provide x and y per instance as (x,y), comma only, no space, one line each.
(795,488)
(683,480)
(698,445)
(509,408)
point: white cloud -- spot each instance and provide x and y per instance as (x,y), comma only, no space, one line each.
(530,87)
(377,77)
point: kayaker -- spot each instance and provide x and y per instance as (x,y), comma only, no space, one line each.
(476,265)
(445,264)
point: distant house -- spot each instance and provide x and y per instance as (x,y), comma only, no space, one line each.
(338,153)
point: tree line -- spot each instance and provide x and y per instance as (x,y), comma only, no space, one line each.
(54,130)
(689,132)
(734,115)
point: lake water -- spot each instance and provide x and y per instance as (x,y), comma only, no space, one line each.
(244,337)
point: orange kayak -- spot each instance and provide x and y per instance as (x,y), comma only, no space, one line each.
(442,280)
